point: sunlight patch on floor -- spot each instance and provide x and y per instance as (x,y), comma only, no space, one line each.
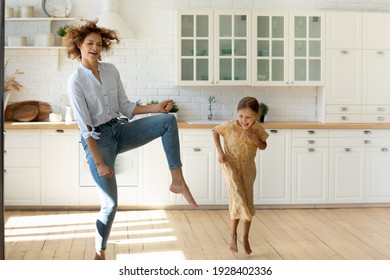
(165,255)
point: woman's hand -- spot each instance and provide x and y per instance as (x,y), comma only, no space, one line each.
(105,171)
(221,157)
(164,106)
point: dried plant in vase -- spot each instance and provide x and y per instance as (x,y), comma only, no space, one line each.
(10,83)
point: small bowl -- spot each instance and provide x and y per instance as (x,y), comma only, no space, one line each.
(226,51)
(199,52)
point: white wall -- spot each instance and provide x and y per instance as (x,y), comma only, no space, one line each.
(147,65)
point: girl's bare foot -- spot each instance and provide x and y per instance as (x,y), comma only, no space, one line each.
(247,247)
(185,191)
(233,244)
(100,255)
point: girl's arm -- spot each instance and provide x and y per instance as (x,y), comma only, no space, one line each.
(255,138)
(217,141)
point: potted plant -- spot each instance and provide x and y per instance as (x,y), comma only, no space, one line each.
(263,110)
(61,31)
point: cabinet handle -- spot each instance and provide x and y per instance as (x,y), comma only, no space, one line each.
(59,131)
(367,132)
(344,52)
(344,118)
(366,142)
(380,109)
(380,118)
(197,149)
(347,149)
(380,52)
(310,150)
(273,131)
(343,109)
(311,142)
(311,132)
(384,149)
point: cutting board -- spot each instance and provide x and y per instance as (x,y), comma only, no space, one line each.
(27,111)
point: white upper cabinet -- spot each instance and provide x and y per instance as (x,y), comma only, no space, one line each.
(270,49)
(220,48)
(232,48)
(195,48)
(375,31)
(307,49)
(343,30)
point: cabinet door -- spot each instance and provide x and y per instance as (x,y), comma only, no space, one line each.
(376,82)
(195,55)
(343,79)
(378,175)
(307,49)
(199,172)
(375,36)
(270,49)
(310,175)
(60,167)
(22,186)
(347,174)
(343,30)
(232,48)
(155,177)
(274,167)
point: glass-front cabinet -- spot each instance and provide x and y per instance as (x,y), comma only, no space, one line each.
(220,48)
(307,49)
(195,49)
(270,49)
(232,48)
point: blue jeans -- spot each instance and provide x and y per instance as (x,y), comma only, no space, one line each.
(116,138)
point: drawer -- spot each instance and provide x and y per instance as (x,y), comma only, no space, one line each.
(359,142)
(376,110)
(343,109)
(376,118)
(310,142)
(197,137)
(22,138)
(21,157)
(345,118)
(310,132)
(364,133)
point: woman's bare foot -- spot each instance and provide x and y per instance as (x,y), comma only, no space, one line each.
(247,247)
(233,244)
(185,191)
(101,255)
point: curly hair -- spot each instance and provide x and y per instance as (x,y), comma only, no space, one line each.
(249,102)
(75,36)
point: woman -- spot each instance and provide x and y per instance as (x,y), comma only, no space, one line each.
(98,98)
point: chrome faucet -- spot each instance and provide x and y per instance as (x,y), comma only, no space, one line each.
(210,112)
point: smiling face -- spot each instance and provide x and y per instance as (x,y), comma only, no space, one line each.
(246,117)
(91,47)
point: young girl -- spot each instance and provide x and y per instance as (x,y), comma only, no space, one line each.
(242,138)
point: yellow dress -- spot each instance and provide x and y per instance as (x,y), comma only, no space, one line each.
(240,169)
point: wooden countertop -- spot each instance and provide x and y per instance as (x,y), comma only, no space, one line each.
(274,125)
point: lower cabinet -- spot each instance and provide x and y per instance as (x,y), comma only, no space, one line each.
(22,167)
(41,167)
(273,180)
(59,173)
(359,166)
(310,158)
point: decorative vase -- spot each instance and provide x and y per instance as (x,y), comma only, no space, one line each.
(262,117)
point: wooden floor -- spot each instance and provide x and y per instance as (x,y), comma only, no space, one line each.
(294,234)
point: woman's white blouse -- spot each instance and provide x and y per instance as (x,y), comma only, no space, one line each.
(94,102)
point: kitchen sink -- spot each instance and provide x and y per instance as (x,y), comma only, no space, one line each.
(205,121)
